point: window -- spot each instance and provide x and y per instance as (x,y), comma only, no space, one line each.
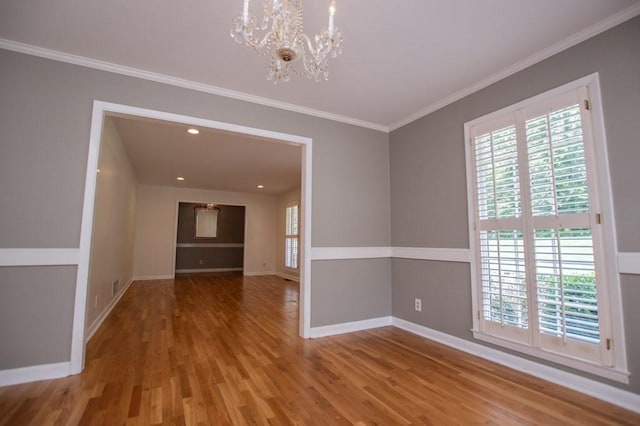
(206,222)
(540,273)
(291,237)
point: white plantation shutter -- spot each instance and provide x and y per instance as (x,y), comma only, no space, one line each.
(504,297)
(565,265)
(538,260)
(291,237)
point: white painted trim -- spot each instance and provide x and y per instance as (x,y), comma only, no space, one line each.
(607,393)
(629,263)
(604,191)
(608,373)
(419,253)
(153,277)
(179,82)
(210,245)
(39,256)
(288,276)
(258,273)
(349,327)
(427,253)
(305,239)
(91,330)
(119,109)
(86,229)
(337,253)
(190,271)
(579,37)
(16,376)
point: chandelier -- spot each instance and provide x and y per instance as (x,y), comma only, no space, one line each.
(286,41)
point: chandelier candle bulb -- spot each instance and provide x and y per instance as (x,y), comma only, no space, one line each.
(245,11)
(332,12)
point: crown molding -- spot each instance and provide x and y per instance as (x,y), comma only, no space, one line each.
(570,41)
(179,82)
(587,33)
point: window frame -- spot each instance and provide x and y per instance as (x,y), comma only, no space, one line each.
(610,298)
(288,236)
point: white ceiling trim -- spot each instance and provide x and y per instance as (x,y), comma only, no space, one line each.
(610,22)
(585,34)
(179,82)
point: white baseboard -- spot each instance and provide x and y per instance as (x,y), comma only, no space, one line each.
(191,271)
(258,273)
(613,395)
(153,277)
(288,276)
(349,327)
(16,376)
(105,313)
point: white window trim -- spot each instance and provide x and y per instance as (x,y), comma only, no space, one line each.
(618,371)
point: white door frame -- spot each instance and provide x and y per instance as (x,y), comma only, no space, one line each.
(100,111)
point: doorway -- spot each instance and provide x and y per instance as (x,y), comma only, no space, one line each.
(100,111)
(210,238)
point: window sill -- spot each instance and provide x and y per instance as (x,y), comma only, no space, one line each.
(611,373)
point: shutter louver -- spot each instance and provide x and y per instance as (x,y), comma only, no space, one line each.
(503,278)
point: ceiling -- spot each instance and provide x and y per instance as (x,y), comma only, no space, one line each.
(401,60)
(161,151)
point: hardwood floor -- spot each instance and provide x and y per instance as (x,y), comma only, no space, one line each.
(216,350)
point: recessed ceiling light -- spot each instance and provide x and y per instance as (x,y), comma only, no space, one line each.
(260,186)
(193,131)
(180,178)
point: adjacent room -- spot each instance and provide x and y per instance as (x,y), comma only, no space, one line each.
(412,213)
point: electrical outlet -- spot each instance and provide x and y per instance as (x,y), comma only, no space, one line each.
(97,299)
(114,287)
(418,305)
(200,261)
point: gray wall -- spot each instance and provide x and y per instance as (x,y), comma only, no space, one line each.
(36,336)
(363,293)
(45,117)
(429,154)
(230,230)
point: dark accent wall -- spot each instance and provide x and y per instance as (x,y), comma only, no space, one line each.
(200,254)
(429,193)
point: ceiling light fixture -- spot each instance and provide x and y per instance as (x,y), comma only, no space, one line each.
(193,131)
(260,186)
(179,178)
(286,42)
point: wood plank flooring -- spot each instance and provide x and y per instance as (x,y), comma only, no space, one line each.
(223,349)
